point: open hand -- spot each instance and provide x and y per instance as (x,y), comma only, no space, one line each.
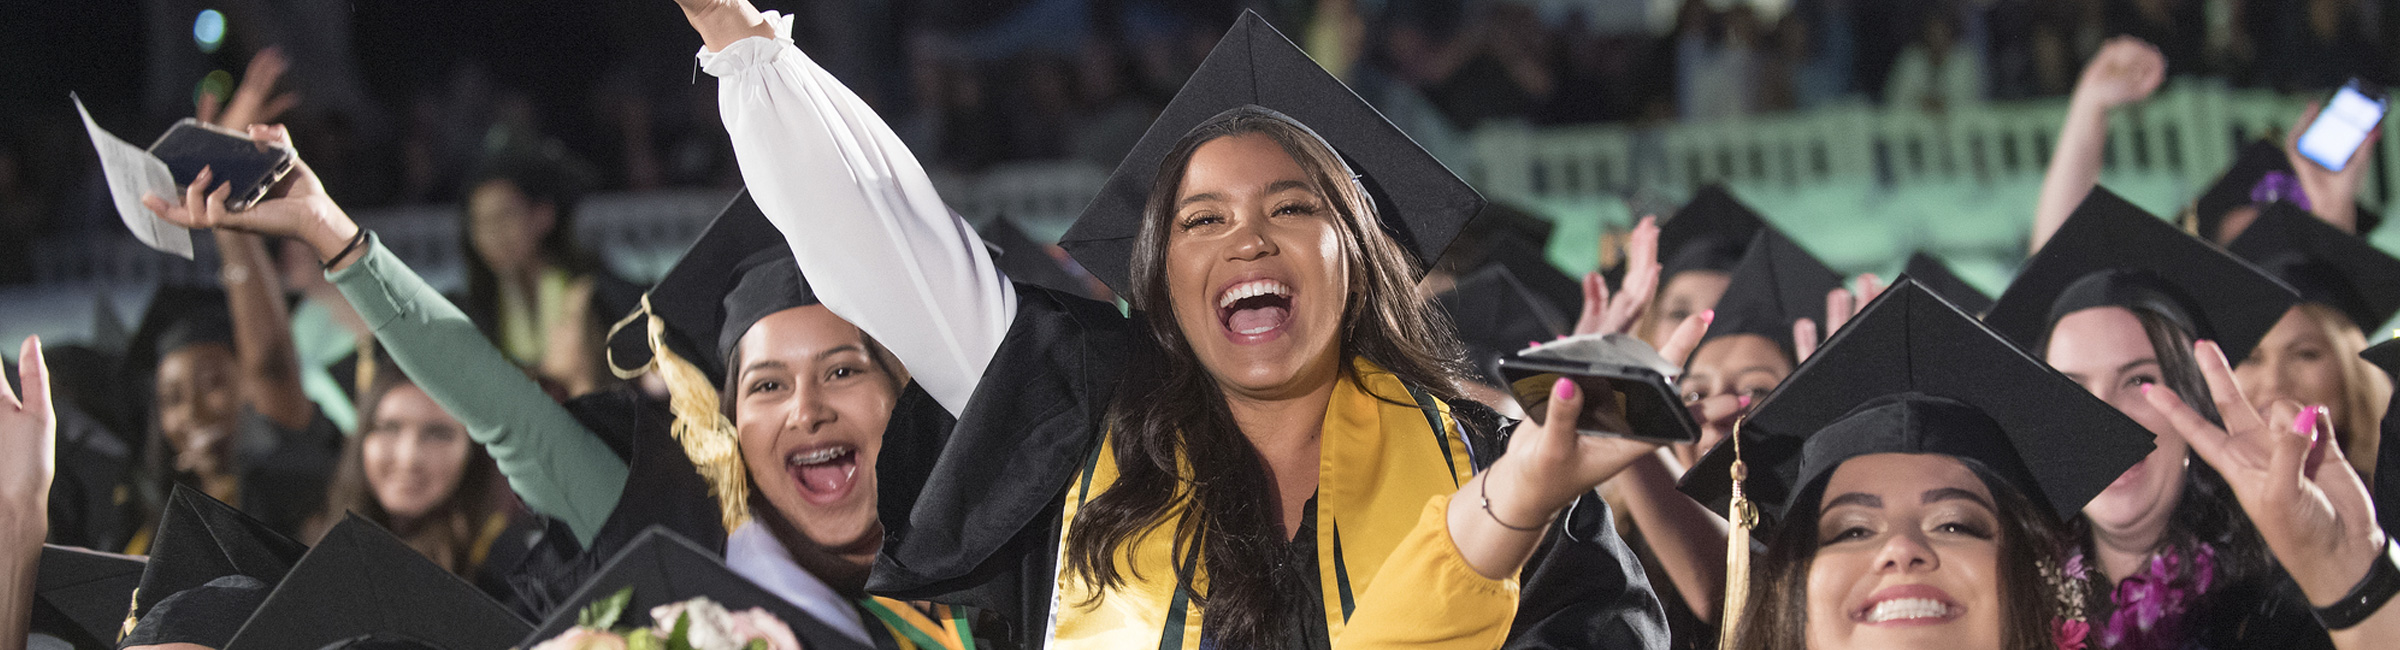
(255,102)
(1549,464)
(2126,70)
(2290,478)
(1606,314)
(28,439)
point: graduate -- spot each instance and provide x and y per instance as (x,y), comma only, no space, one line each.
(1913,476)
(2347,288)
(1267,231)
(776,469)
(2116,302)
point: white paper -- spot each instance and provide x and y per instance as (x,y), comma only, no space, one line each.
(133,173)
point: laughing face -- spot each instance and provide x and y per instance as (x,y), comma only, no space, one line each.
(1255,269)
(1908,557)
(811,404)
(2106,350)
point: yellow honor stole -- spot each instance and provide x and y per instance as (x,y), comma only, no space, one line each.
(1386,449)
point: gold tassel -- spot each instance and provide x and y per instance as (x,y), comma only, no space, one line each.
(1744,516)
(708,438)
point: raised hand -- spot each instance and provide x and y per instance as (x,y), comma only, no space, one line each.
(1549,464)
(2294,484)
(296,207)
(2332,195)
(1840,306)
(28,438)
(255,101)
(2126,70)
(1606,314)
(724,22)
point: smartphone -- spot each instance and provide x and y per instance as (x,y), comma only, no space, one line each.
(2343,125)
(1627,388)
(252,167)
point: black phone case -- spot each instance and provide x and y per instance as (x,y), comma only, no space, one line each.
(233,158)
(1652,403)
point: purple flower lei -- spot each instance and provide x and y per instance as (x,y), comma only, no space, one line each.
(2151,606)
(2279,186)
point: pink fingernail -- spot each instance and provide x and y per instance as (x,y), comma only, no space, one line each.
(1708,316)
(2306,424)
(2146,389)
(1564,390)
(1743,400)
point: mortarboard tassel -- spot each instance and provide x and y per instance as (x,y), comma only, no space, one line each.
(700,425)
(1744,516)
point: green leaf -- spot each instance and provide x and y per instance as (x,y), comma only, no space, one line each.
(756,644)
(644,640)
(603,613)
(680,639)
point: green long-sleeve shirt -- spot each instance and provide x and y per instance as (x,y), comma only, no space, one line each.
(556,466)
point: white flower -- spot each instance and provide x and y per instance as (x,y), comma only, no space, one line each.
(583,638)
(714,628)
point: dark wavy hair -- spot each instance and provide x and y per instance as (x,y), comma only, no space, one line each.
(1170,410)
(1776,616)
(2207,512)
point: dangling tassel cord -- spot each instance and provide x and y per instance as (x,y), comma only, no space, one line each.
(700,425)
(1744,516)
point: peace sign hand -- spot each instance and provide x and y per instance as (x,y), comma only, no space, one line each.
(2294,484)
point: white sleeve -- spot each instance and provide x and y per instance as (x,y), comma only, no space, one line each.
(876,243)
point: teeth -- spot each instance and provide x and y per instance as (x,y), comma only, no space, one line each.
(1251,289)
(818,456)
(1907,608)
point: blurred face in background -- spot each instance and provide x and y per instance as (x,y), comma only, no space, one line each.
(1683,294)
(2297,361)
(415,453)
(199,404)
(2105,350)
(508,227)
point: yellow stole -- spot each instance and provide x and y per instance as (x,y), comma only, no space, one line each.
(1386,449)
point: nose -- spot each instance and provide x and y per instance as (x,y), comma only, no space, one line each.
(809,411)
(1907,552)
(1250,240)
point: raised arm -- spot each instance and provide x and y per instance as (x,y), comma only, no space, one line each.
(28,442)
(876,243)
(558,468)
(2126,70)
(262,332)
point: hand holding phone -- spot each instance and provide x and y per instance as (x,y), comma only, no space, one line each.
(1626,387)
(2344,124)
(249,165)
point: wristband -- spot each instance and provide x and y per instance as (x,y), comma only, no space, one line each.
(355,241)
(2378,587)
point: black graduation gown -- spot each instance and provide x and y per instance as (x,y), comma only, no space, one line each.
(983,527)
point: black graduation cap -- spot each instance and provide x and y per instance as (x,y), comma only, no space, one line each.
(361,581)
(1936,276)
(1028,261)
(1710,233)
(1776,283)
(80,594)
(201,539)
(2111,253)
(2323,263)
(1496,315)
(737,272)
(663,568)
(2386,355)
(1913,374)
(2232,189)
(1422,204)
(178,316)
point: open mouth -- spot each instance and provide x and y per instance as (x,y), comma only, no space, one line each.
(1254,310)
(1912,610)
(824,474)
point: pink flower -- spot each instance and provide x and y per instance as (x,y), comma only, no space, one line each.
(2069,633)
(584,638)
(714,628)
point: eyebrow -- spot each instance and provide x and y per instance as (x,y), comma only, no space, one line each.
(838,350)
(2137,363)
(1272,188)
(1950,493)
(756,366)
(1200,198)
(1861,499)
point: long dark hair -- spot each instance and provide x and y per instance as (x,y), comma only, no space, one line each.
(449,534)
(1171,410)
(1776,616)
(2207,512)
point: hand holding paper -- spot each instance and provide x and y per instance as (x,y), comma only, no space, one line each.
(132,174)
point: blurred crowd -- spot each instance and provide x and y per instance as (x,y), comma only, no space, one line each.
(401,100)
